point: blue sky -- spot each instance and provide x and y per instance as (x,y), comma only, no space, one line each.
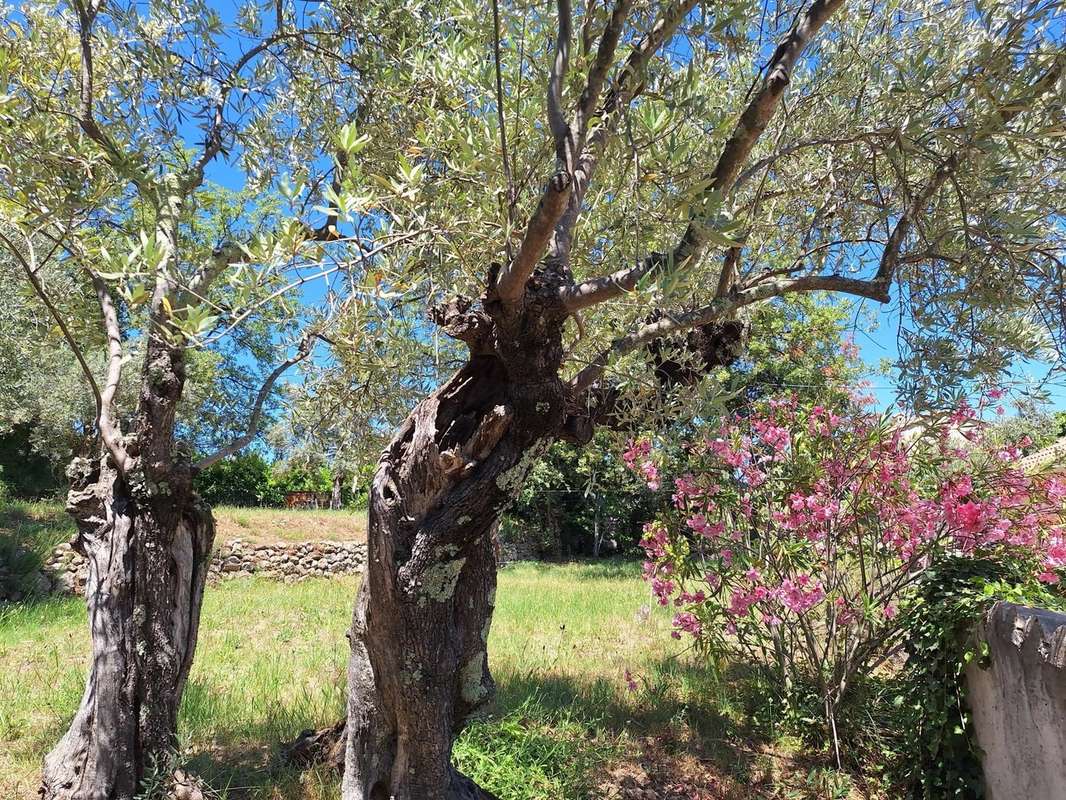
(877,342)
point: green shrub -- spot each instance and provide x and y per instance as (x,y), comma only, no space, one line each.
(242,480)
(28,474)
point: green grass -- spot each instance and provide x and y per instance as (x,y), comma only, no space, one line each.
(271,662)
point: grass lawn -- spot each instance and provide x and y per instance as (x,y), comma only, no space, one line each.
(271,662)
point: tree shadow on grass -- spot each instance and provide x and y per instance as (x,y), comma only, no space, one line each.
(550,736)
(235,738)
(250,770)
(685,708)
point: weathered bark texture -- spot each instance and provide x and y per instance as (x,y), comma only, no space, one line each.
(419,663)
(147,539)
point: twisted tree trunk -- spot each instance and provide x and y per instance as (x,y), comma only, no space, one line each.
(419,663)
(147,539)
(418,670)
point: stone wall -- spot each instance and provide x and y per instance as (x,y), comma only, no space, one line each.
(1019,703)
(509,552)
(66,570)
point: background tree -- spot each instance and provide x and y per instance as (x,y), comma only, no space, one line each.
(576,496)
(348,402)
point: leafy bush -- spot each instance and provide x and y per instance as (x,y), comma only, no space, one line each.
(302,479)
(802,531)
(28,474)
(248,480)
(241,480)
(579,501)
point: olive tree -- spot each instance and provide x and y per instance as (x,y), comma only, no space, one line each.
(590,198)
(113,119)
(687,163)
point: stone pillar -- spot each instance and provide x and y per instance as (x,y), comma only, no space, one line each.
(1019,703)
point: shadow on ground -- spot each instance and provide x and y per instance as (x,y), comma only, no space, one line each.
(555,737)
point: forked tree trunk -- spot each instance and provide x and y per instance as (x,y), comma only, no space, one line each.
(419,663)
(147,539)
(418,670)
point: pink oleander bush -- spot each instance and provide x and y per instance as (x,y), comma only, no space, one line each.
(800,532)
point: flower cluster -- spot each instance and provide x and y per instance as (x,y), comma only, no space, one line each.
(637,457)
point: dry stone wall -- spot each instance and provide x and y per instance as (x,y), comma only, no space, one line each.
(66,570)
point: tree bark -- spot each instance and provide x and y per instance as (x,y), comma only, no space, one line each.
(147,539)
(338,484)
(419,669)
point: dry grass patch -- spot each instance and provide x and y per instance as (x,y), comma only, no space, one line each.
(270,525)
(272,660)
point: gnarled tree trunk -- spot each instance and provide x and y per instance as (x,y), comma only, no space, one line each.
(418,670)
(147,539)
(419,664)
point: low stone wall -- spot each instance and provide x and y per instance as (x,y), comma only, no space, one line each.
(1019,703)
(65,569)
(510,552)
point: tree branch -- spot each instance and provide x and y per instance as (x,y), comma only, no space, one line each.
(753,121)
(557,213)
(597,76)
(561,132)
(242,441)
(109,427)
(231,253)
(111,436)
(86,119)
(717,310)
(626,86)
(213,138)
(502,121)
(512,278)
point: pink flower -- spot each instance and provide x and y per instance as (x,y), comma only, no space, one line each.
(631,683)
(890,611)
(687,622)
(662,590)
